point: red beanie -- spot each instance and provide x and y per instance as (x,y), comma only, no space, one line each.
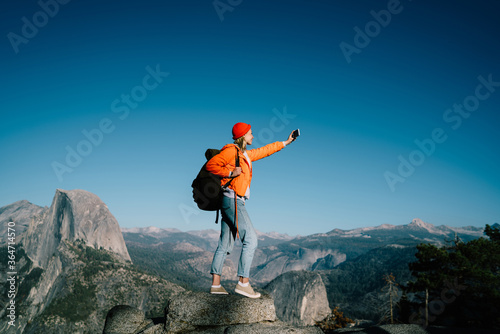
(240,129)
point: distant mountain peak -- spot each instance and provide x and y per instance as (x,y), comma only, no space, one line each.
(418,222)
(17,206)
(274,235)
(386,226)
(22,213)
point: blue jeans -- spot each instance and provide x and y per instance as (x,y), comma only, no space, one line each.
(247,234)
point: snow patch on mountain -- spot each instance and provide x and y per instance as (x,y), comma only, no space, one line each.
(150,230)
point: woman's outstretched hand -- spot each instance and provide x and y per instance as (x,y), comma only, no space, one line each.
(290,139)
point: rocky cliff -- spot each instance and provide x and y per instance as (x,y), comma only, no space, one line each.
(73,215)
(90,283)
(72,266)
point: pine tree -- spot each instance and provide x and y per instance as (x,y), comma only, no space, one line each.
(392,293)
(492,232)
(458,282)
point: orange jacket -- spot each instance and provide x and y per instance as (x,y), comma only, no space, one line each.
(224,163)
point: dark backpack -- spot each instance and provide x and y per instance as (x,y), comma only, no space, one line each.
(207,189)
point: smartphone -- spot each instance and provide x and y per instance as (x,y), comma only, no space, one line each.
(296,133)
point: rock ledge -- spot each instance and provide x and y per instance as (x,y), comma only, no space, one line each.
(199,312)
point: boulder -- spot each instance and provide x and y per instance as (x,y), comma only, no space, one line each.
(189,310)
(123,319)
(299,297)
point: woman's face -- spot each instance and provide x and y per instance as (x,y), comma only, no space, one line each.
(248,137)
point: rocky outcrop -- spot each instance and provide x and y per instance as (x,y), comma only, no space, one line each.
(21,213)
(192,310)
(300,297)
(198,312)
(125,319)
(73,215)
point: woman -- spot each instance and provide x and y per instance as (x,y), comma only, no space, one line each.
(224,165)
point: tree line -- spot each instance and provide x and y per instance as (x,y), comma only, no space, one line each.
(455,285)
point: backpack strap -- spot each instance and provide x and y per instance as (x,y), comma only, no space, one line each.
(237,164)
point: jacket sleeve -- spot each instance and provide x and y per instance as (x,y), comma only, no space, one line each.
(221,164)
(265,151)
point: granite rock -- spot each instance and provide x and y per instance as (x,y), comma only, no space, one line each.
(73,215)
(300,297)
(189,310)
(123,319)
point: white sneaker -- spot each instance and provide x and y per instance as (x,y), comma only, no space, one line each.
(218,291)
(246,291)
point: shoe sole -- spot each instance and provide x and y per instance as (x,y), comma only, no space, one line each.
(243,293)
(219,293)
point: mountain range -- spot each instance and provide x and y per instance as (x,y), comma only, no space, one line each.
(74,252)
(280,253)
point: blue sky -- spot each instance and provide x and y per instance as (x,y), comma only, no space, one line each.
(397,101)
